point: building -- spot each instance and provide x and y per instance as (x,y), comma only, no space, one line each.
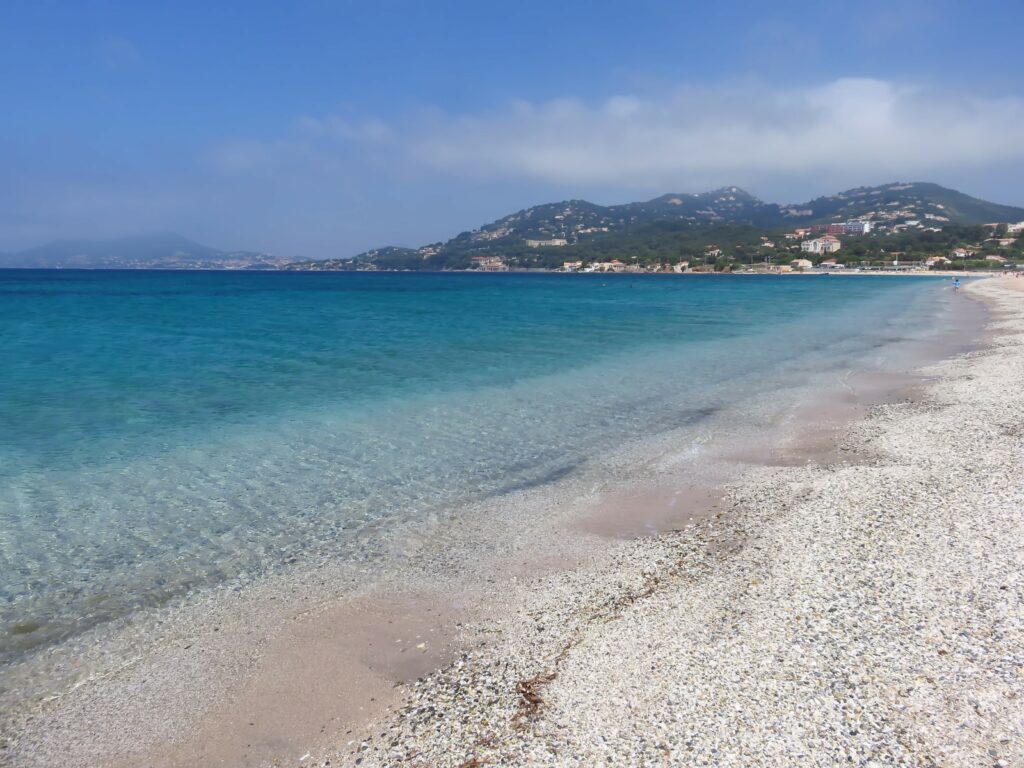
(572,266)
(490,264)
(555,242)
(857,227)
(1014,228)
(850,228)
(615,266)
(993,257)
(960,253)
(831,264)
(826,244)
(801,264)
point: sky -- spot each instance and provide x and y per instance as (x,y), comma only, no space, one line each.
(321,129)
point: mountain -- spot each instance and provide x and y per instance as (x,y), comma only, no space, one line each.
(676,224)
(919,199)
(540,236)
(160,251)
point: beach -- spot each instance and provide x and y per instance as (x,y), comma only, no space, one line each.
(864,613)
(846,590)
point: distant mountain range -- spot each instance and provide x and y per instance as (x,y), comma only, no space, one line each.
(160,251)
(563,227)
(549,227)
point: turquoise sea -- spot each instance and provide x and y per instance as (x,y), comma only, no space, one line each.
(165,431)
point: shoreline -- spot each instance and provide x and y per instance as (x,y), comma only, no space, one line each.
(319,595)
(869,613)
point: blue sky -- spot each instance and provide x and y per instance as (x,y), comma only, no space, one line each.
(321,129)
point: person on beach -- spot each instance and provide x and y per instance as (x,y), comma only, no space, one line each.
(956,284)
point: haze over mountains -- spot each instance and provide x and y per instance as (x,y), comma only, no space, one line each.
(571,221)
(157,251)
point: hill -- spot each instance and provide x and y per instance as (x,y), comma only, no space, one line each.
(160,251)
(542,235)
(919,199)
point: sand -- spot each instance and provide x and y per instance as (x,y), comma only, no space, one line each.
(866,613)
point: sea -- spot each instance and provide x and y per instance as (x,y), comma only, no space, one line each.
(162,433)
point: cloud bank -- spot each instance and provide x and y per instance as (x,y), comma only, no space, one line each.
(862,127)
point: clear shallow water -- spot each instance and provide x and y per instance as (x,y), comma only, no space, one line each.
(163,431)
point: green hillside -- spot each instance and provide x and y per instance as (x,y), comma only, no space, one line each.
(685,226)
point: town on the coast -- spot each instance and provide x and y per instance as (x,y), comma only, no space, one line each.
(818,246)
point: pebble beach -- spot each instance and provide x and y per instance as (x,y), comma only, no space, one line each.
(862,612)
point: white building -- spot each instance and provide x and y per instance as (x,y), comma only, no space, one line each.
(555,242)
(826,244)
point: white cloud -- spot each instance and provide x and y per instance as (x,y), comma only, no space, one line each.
(848,127)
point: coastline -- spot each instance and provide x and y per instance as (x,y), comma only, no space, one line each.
(868,613)
(530,582)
